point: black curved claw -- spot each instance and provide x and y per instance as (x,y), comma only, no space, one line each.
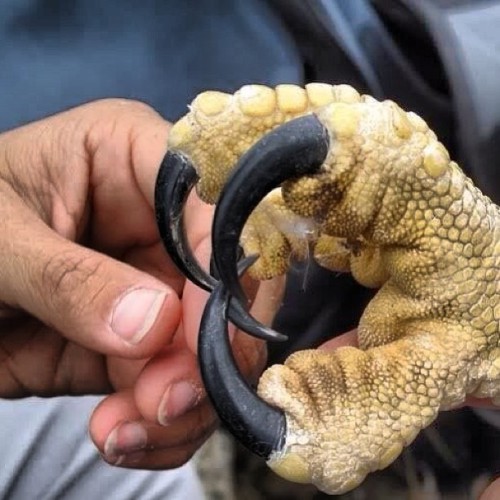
(296,148)
(256,424)
(176,178)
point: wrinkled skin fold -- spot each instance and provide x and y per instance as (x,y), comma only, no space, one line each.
(390,206)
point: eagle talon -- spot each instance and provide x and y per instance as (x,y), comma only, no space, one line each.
(213,268)
(258,425)
(176,178)
(296,148)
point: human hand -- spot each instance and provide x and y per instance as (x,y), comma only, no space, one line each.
(89,301)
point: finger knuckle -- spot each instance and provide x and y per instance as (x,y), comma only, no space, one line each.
(120,106)
(66,272)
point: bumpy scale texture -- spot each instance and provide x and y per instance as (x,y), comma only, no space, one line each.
(391,207)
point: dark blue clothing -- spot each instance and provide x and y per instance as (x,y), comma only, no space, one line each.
(57,54)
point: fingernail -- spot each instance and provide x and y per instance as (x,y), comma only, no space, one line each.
(177,400)
(136,312)
(124,439)
(127,460)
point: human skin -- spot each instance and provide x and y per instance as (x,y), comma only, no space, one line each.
(492,492)
(77,235)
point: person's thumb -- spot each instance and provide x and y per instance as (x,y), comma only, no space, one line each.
(90,298)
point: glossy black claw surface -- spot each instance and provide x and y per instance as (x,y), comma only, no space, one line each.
(296,148)
(176,178)
(256,424)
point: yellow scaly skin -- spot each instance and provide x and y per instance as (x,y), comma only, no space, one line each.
(390,206)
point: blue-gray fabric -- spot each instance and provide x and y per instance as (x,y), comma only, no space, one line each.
(56,54)
(47,454)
